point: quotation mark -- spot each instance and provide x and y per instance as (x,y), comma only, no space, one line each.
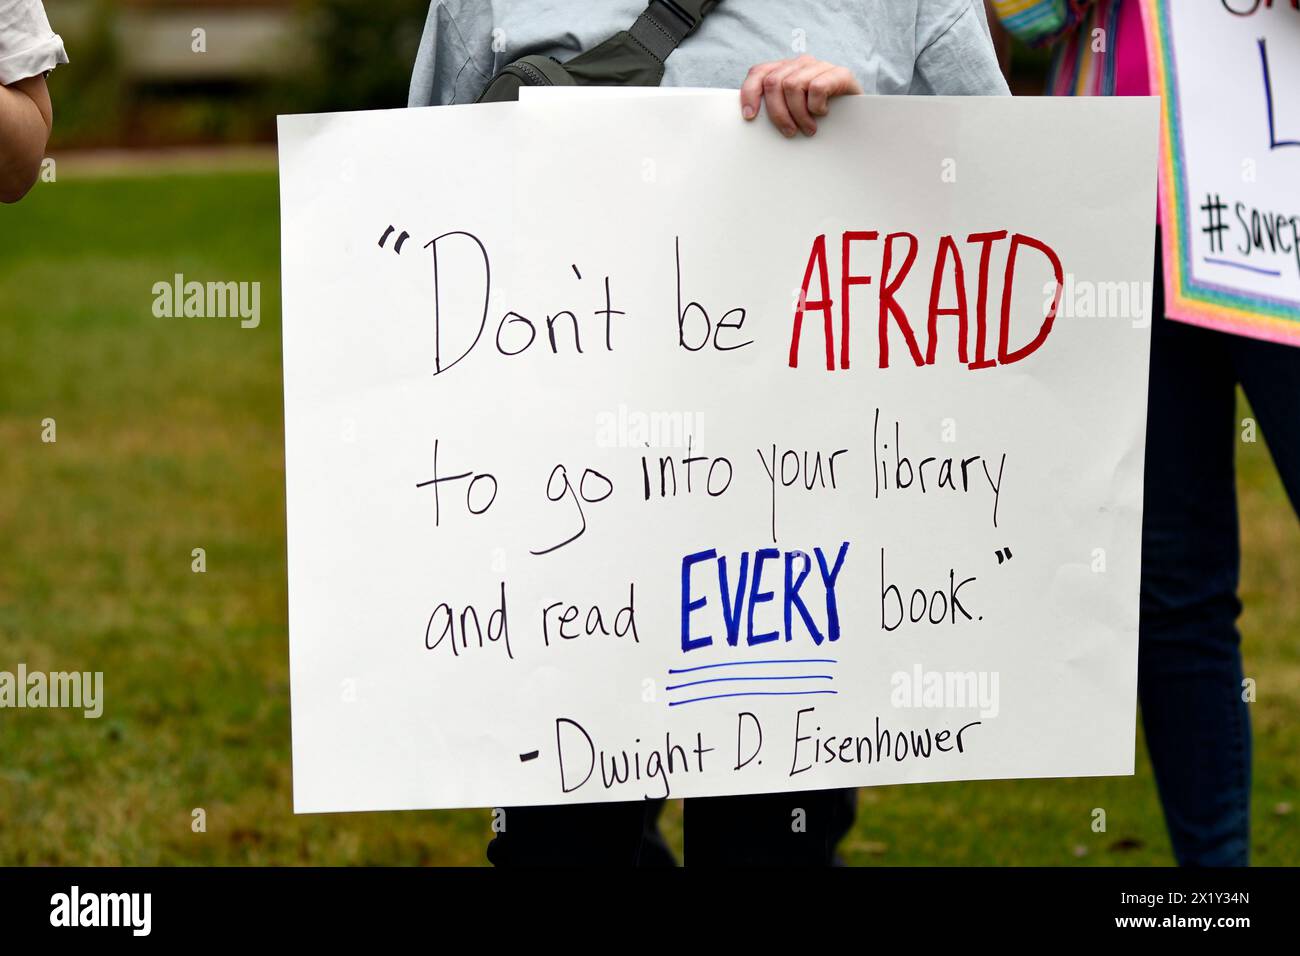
(1001,552)
(397,246)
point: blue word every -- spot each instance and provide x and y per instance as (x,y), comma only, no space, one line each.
(738,599)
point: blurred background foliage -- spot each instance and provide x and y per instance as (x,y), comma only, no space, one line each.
(149,73)
(140,76)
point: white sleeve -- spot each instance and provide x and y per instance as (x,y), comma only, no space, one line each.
(28,47)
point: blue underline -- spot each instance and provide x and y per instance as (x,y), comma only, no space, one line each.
(1241,265)
(704,667)
(720,680)
(755,693)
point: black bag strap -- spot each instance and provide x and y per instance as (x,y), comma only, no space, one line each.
(666,23)
(631,57)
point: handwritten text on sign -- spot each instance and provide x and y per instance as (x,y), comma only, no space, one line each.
(635,451)
(1229,75)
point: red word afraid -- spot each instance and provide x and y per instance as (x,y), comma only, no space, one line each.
(898,256)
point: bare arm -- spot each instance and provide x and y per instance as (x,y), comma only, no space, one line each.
(26,117)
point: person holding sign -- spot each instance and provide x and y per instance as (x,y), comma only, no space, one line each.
(473,51)
(1191,684)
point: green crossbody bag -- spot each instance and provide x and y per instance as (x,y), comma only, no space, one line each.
(631,57)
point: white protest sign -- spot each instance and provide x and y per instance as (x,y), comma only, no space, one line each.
(575,514)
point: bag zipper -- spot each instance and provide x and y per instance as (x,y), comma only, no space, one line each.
(534,76)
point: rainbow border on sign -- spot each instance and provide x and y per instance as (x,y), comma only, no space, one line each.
(1216,307)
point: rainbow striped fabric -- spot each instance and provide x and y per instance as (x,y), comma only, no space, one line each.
(1098,42)
(1087,60)
(1034,21)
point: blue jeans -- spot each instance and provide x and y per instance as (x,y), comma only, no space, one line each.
(1189,662)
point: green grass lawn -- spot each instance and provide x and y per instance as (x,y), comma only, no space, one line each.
(169,438)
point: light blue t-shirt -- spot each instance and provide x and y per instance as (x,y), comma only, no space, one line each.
(892,46)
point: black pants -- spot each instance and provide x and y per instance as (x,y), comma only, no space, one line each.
(770,829)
